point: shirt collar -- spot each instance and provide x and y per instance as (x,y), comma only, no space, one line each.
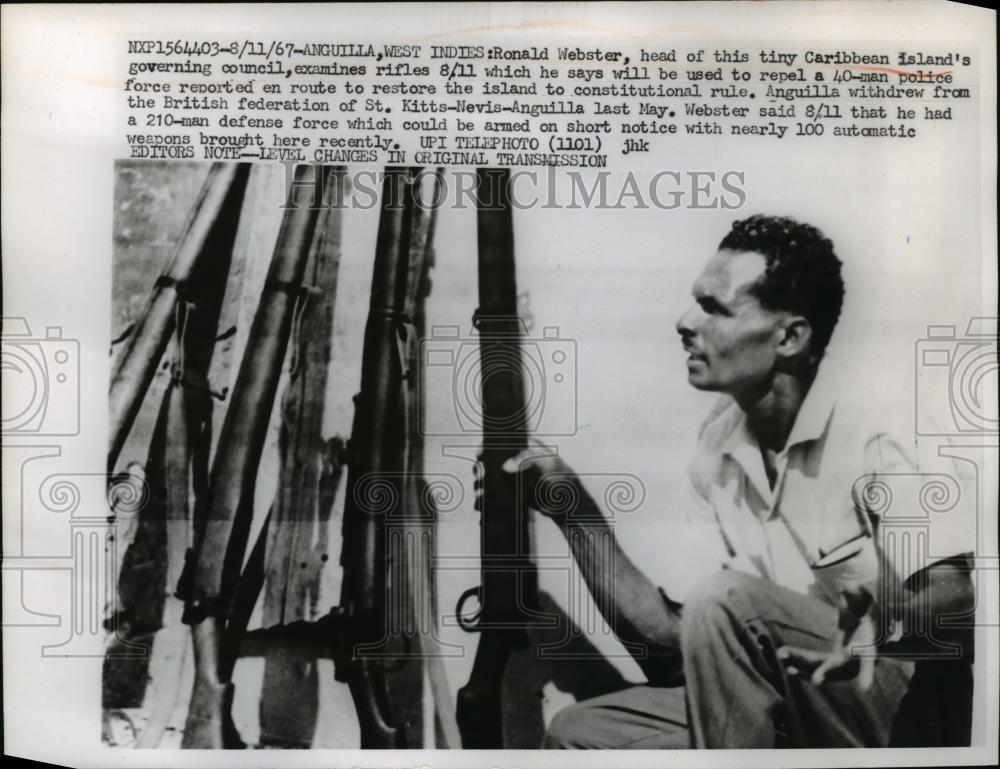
(810,423)
(817,408)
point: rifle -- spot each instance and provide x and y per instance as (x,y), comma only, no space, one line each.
(376,460)
(376,464)
(181,430)
(213,570)
(412,539)
(212,224)
(507,594)
(302,504)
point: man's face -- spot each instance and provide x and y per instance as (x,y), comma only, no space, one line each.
(730,338)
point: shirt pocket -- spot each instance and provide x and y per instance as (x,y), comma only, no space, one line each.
(852,563)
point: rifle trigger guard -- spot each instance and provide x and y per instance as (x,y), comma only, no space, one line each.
(470,622)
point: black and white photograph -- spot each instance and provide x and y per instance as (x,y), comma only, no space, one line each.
(511,379)
(775,553)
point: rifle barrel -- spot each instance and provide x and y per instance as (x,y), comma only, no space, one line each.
(241,441)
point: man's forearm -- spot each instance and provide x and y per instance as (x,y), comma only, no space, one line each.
(627,599)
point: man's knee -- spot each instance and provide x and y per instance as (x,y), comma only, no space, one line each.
(570,728)
(716,609)
(715,597)
(636,717)
(592,725)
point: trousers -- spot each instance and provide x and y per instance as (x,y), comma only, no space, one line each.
(736,693)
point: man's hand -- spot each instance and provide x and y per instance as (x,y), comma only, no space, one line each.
(855,630)
(550,486)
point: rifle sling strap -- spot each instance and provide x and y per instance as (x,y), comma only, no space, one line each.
(180,373)
(406,334)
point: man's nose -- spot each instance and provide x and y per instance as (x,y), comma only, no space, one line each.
(686,323)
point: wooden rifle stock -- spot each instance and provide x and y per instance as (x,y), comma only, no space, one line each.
(508,591)
(217,207)
(213,573)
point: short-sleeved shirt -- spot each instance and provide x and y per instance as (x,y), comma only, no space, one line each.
(855,498)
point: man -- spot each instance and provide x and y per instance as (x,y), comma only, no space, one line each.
(777,577)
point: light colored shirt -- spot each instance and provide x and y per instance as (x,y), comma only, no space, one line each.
(855,498)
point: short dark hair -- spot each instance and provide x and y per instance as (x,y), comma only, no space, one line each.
(802,273)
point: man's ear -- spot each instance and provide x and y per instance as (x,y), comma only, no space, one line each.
(796,337)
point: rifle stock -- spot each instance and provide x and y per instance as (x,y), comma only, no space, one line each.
(507,593)
(209,722)
(368,691)
(480,705)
